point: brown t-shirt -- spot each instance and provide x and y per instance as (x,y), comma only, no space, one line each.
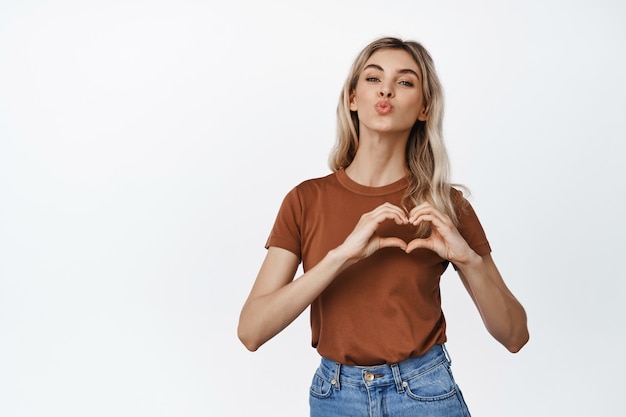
(387,307)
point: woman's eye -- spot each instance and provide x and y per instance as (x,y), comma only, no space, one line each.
(407,83)
(372,79)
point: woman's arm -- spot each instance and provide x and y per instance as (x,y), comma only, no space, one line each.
(503,316)
(276,299)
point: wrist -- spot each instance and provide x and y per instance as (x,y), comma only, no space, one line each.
(471,261)
(341,258)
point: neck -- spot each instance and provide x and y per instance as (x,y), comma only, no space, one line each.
(379,160)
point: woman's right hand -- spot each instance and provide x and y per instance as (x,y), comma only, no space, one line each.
(363,240)
(276,299)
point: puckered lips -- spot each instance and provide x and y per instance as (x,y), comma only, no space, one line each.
(383,107)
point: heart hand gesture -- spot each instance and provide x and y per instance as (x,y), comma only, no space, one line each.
(363,240)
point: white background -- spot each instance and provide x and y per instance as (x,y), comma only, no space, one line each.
(145,147)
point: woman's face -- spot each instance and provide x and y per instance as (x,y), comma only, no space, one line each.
(388,96)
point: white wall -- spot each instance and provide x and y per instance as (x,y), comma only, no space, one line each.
(145,147)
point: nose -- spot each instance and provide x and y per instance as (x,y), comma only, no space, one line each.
(385,92)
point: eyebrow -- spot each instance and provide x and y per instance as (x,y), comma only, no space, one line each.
(402,71)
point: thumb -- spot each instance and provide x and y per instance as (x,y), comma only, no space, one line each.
(391,242)
(417,244)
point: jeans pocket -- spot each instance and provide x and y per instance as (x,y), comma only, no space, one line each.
(321,386)
(433,385)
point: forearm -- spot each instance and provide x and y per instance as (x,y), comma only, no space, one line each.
(276,299)
(503,315)
(265,315)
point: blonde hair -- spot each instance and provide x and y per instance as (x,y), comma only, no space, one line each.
(426,154)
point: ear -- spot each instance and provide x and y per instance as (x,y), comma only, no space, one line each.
(423,115)
(353,106)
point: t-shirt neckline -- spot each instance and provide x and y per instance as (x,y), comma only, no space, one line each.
(355,187)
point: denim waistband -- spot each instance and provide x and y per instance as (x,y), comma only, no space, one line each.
(387,374)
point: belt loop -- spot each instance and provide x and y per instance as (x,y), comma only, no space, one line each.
(445,351)
(397,377)
(335,380)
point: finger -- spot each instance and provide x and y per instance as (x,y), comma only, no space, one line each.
(417,210)
(425,206)
(419,244)
(369,223)
(385,212)
(392,242)
(434,220)
(437,218)
(388,206)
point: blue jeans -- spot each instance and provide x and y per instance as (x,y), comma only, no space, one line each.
(422,386)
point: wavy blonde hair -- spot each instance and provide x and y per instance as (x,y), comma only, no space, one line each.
(426,154)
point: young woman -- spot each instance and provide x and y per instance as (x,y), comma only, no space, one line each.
(374,238)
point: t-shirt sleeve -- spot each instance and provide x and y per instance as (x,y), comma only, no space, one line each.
(469,225)
(286,233)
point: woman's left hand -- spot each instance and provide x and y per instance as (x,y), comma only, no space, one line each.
(444,239)
(502,314)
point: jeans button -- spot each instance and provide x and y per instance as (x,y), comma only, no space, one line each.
(369,377)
